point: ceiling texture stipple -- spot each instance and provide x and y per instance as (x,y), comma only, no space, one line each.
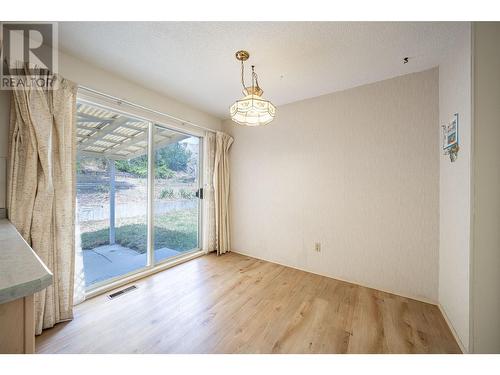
(193,62)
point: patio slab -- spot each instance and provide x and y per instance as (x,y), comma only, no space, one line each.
(105,262)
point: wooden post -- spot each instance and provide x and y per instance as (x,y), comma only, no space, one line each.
(111,167)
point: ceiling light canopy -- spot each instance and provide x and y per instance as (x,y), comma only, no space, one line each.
(252,109)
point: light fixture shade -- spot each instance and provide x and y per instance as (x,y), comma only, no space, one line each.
(252,110)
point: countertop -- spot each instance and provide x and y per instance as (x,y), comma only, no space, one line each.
(22,273)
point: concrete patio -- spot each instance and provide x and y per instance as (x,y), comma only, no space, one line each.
(108,261)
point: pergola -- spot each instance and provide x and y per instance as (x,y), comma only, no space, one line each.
(114,136)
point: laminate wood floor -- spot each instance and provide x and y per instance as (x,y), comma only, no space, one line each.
(238,304)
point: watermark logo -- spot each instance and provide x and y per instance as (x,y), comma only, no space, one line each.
(29,55)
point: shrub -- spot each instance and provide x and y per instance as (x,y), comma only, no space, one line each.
(167,193)
(175,157)
(186,194)
(137,166)
(162,171)
(141,169)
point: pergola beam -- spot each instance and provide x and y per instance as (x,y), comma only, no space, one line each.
(99,134)
(106,128)
(87,137)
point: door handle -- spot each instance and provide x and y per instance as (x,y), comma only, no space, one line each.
(199,193)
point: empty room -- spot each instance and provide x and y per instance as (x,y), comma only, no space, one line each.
(249,187)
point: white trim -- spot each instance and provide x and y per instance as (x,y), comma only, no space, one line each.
(140,275)
(420,299)
(453,332)
(201,181)
(150,197)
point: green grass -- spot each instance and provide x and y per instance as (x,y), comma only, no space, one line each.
(176,230)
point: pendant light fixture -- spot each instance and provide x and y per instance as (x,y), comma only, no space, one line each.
(252,110)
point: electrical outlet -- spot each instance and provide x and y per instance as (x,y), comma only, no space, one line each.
(317,247)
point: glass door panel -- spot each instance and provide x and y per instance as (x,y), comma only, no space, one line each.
(176,206)
(112,175)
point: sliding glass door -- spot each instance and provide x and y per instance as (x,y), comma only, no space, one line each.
(138,193)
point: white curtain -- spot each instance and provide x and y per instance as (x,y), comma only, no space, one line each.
(223,142)
(41,188)
(209,243)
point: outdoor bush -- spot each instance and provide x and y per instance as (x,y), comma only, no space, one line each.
(186,194)
(137,166)
(162,171)
(167,193)
(169,159)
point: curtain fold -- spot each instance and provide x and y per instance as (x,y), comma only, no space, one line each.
(209,243)
(79,287)
(41,187)
(223,142)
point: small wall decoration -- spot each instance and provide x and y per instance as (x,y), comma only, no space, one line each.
(450,138)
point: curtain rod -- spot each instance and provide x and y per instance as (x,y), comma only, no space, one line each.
(122,101)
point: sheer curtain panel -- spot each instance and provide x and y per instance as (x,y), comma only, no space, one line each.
(223,142)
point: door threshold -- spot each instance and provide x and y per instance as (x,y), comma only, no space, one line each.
(142,274)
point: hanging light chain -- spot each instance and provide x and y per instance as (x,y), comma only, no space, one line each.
(242,74)
(255,78)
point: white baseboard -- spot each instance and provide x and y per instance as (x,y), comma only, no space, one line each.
(420,299)
(453,332)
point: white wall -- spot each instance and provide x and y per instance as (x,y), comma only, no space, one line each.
(86,74)
(455,186)
(93,77)
(356,170)
(486,168)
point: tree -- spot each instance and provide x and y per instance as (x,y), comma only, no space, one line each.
(175,157)
(137,166)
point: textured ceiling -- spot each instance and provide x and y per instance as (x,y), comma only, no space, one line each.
(194,62)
